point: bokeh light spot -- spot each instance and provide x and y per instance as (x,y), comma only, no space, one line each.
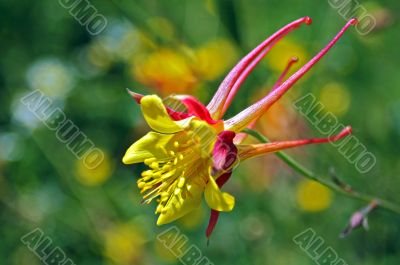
(312,196)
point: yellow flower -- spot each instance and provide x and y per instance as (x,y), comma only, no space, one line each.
(177,153)
(191,152)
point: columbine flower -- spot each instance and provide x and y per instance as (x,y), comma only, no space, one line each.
(192,152)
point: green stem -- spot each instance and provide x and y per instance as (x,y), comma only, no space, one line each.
(296,166)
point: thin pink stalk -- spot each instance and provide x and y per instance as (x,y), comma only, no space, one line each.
(242,119)
(289,65)
(243,77)
(218,101)
(249,69)
(241,136)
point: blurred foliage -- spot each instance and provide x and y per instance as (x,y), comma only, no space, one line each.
(174,46)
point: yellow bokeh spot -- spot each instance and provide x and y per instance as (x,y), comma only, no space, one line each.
(193,219)
(280,54)
(210,6)
(94,176)
(336,98)
(145,42)
(162,26)
(99,56)
(260,164)
(123,244)
(312,196)
(166,70)
(214,59)
(280,121)
(163,252)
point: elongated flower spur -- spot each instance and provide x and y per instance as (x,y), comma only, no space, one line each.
(192,152)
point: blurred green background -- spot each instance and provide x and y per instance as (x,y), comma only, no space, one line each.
(165,47)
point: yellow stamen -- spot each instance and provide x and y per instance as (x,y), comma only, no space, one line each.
(177,191)
(181,182)
(154,165)
(148,161)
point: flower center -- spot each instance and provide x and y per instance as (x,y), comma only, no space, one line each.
(187,160)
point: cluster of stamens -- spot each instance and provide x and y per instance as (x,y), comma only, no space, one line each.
(169,177)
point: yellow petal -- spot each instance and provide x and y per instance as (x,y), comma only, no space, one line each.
(216,199)
(157,117)
(178,206)
(204,137)
(150,145)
